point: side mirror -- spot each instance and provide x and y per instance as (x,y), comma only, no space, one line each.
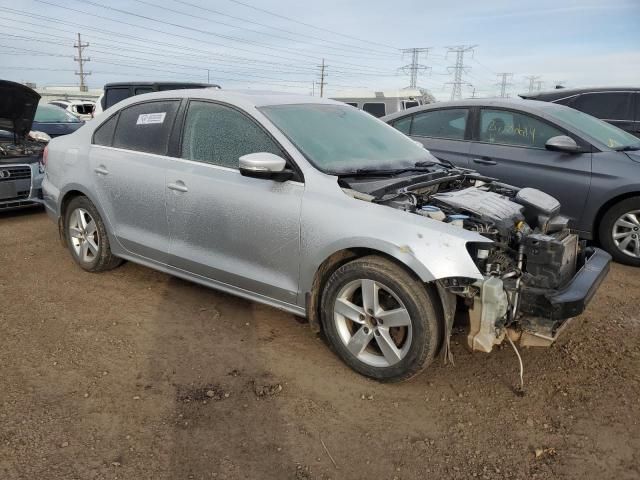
(265,165)
(562,143)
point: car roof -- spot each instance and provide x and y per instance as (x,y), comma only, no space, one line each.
(531,106)
(559,93)
(244,98)
(161,84)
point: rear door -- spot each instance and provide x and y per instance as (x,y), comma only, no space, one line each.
(128,162)
(443,132)
(510,146)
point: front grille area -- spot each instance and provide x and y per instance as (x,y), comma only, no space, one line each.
(17,180)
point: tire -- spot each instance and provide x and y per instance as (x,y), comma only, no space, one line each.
(622,220)
(87,237)
(365,342)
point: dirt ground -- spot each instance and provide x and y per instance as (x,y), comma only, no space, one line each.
(134,374)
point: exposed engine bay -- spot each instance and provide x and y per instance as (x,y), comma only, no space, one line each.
(22,150)
(530,258)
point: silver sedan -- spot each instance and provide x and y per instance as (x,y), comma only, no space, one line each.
(316,208)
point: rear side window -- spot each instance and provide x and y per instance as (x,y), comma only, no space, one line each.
(146,127)
(606,105)
(115,95)
(104,133)
(511,128)
(449,123)
(410,104)
(220,135)
(403,125)
(376,109)
(353,104)
(141,90)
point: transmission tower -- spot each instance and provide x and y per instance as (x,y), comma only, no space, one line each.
(458,69)
(413,68)
(323,74)
(81,61)
(504,83)
(532,80)
(539,85)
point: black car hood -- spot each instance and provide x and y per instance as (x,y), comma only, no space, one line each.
(18,105)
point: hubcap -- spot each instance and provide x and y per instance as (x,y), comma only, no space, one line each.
(373,323)
(626,233)
(83,235)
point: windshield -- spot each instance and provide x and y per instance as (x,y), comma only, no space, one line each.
(53,114)
(604,132)
(340,139)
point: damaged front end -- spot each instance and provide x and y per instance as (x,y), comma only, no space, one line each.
(537,274)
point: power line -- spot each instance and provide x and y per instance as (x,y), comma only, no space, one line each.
(268,12)
(458,69)
(414,66)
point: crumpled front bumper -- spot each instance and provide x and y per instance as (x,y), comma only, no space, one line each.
(546,310)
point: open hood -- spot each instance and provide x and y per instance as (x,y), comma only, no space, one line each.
(18,105)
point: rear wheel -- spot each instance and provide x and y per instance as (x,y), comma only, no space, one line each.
(619,231)
(381,320)
(87,237)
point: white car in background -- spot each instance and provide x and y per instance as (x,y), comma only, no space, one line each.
(83,109)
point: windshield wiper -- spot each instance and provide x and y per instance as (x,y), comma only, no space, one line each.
(628,148)
(386,171)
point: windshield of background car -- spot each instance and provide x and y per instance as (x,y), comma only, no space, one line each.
(53,114)
(604,132)
(339,139)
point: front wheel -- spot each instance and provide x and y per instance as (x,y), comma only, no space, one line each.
(87,236)
(381,320)
(619,231)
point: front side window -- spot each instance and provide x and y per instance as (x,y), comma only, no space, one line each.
(376,109)
(339,139)
(448,123)
(146,127)
(53,114)
(606,105)
(512,128)
(220,135)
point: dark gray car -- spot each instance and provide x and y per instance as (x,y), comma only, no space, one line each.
(592,167)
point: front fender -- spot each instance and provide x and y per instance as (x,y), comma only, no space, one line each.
(431,249)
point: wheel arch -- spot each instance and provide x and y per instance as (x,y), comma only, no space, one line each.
(606,207)
(335,261)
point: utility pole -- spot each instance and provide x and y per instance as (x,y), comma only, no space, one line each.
(414,66)
(532,79)
(322,75)
(504,83)
(458,69)
(473,93)
(81,61)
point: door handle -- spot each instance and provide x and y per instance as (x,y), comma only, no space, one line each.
(178,186)
(101,170)
(485,161)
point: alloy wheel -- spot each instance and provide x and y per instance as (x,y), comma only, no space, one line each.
(83,235)
(373,323)
(626,233)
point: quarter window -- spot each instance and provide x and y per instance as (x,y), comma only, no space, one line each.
(104,133)
(115,95)
(608,106)
(511,128)
(448,123)
(403,125)
(221,135)
(146,127)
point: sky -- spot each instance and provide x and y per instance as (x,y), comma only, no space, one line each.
(280,44)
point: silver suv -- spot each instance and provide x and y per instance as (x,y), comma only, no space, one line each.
(321,210)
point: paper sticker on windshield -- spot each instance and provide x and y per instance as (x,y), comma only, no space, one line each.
(149,118)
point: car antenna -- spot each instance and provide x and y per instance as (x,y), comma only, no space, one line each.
(520,389)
